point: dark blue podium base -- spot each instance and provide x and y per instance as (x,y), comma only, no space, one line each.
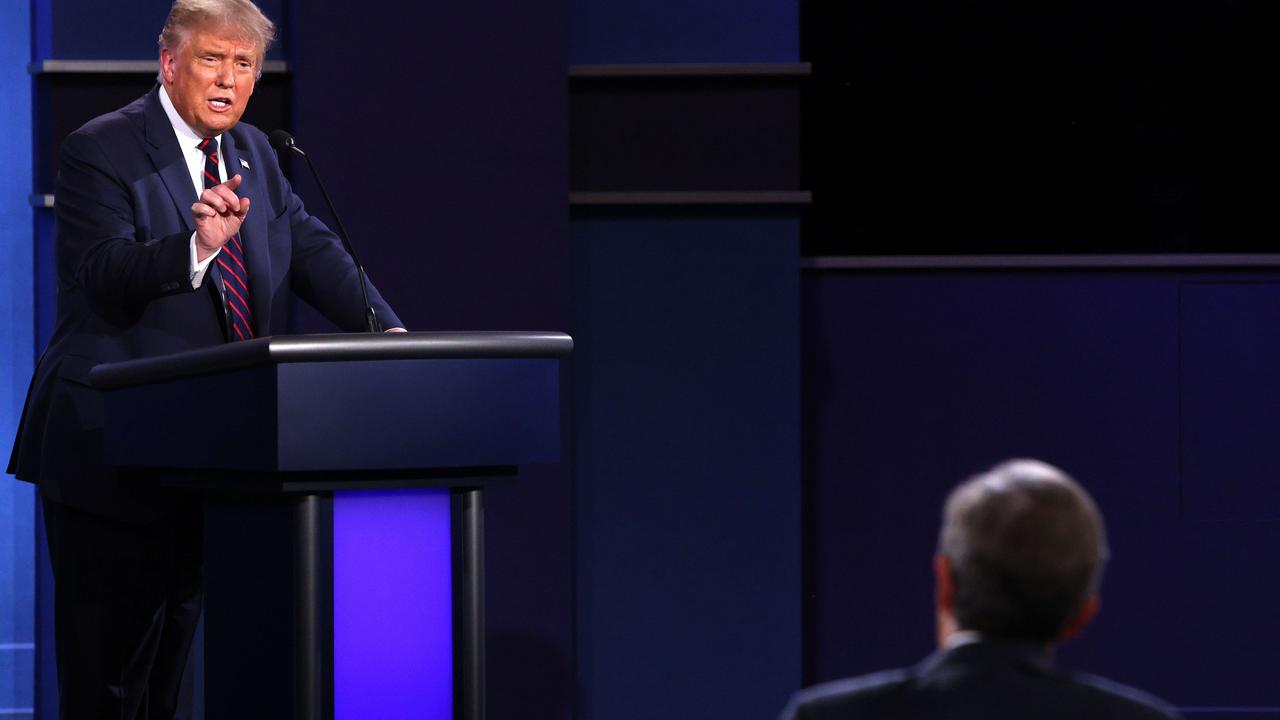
(349,605)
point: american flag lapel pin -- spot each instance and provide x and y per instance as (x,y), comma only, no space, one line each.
(244,163)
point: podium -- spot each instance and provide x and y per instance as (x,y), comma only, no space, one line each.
(343,480)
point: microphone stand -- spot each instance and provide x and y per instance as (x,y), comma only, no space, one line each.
(281,138)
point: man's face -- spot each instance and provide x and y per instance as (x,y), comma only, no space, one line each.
(210,78)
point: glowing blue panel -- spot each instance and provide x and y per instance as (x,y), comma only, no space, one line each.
(17,534)
(392,605)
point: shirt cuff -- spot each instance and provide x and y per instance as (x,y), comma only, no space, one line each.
(198,269)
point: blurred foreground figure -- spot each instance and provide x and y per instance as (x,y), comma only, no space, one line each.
(1019,562)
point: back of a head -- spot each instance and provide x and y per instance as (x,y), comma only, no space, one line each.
(1026,547)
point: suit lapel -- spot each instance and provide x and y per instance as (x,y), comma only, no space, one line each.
(253,233)
(162,147)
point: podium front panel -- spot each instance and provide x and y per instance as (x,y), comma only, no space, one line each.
(344,416)
(440,413)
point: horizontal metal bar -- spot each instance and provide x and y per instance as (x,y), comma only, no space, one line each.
(1048,262)
(49,67)
(694,197)
(335,347)
(1264,710)
(799,69)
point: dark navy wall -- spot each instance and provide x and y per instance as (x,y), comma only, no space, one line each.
(687,367)
(674,31)
(446,155)
(661,577)
(1155,390)
(688,513)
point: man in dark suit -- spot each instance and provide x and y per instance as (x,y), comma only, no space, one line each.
(1019,561)
(175,230)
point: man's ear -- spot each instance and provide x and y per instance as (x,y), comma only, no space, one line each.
(1081,619)
(944,599)
(167,61)
(944,584)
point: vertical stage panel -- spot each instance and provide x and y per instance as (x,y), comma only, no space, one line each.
(392,607)
(1230,399)
(17,534)
(687,464)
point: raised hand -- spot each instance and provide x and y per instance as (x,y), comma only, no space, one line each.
(218,215)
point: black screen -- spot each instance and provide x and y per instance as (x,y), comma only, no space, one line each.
(995,126)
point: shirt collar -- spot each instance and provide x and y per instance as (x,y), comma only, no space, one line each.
(187,138)
(962,637)
(972,641)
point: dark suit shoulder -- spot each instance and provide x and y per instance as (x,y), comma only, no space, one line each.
(875,695)
(250,137)
(977,681)
(97,137)
(1124,701)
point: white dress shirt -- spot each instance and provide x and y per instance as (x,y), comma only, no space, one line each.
(190,141)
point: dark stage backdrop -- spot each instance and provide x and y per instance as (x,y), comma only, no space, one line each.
(1156,390)
(1040,127)
(688,507)
(687,494)
(688,31)
(662,576)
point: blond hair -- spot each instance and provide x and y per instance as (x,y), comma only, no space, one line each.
(242,16)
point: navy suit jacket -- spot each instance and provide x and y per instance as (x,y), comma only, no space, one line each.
(124,196)
(986,680)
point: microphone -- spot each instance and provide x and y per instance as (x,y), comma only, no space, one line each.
(283,142)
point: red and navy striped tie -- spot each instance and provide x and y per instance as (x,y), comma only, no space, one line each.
(235,273)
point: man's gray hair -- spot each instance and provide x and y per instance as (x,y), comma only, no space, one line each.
(1026,546)
(240,16)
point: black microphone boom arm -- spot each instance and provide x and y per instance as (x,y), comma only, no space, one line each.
(283,141)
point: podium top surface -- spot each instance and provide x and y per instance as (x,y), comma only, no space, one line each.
(338,347)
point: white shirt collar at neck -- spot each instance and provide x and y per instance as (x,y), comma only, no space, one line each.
(962,637)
